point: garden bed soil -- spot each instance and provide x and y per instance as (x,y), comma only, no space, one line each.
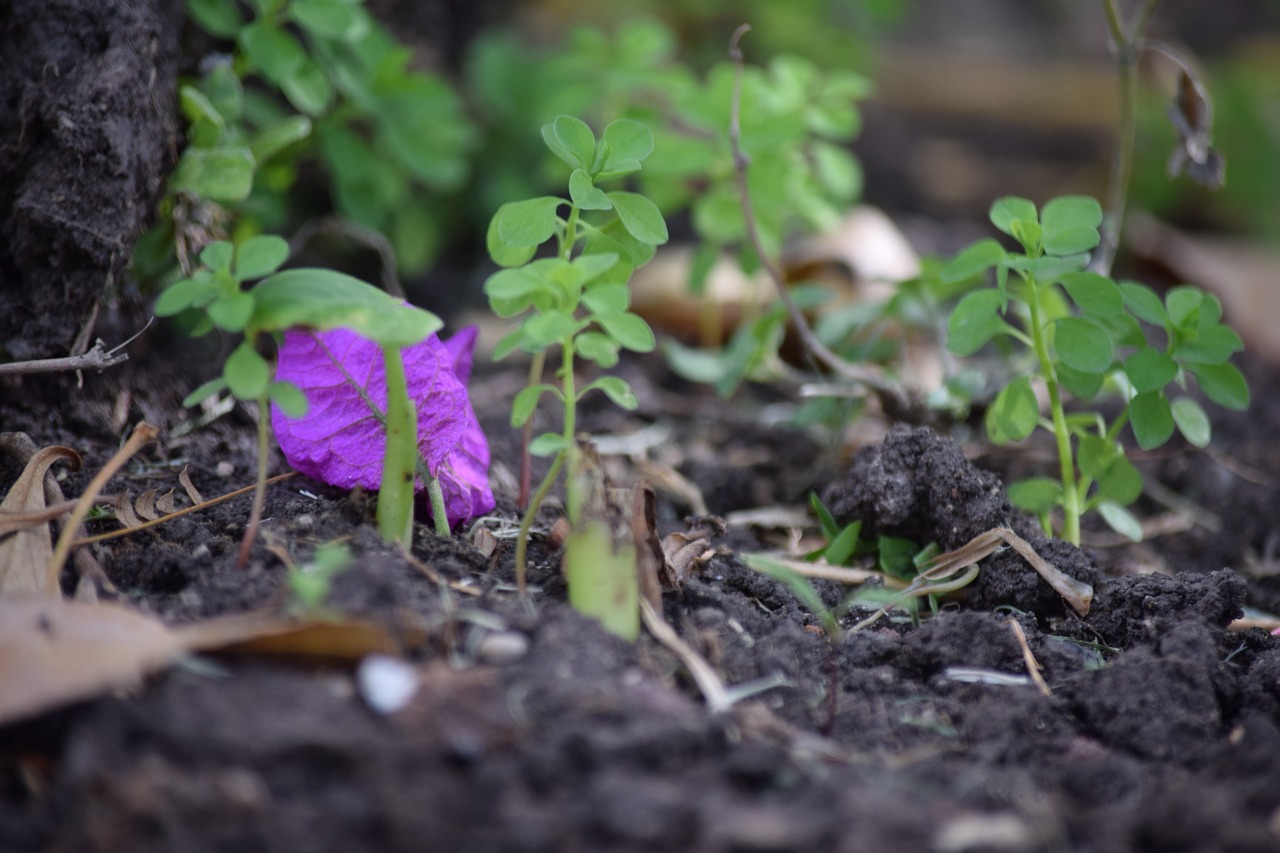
(534,729)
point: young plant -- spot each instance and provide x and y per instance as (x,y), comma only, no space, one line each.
(576,299)
(1084,335)
(319,300)
(311,583)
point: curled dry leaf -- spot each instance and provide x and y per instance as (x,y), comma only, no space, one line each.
(184,480)
(686,552)
(25,554)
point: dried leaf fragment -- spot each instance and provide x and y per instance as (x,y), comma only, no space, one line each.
(25,554)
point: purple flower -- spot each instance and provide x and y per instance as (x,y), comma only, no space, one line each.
(341,438)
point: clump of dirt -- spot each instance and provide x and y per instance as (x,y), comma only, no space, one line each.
(919,485)
(87,133)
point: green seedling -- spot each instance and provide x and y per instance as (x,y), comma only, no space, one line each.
(577,299)
(1084,335)
(311,583)
(312,299)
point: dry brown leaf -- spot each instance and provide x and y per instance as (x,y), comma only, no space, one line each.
(184,480)
(25,554)
(125,513)
(54,652)
(166,504)
(145,505)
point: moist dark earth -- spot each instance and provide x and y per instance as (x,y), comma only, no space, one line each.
(535,730)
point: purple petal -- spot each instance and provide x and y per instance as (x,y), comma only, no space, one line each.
(461,349)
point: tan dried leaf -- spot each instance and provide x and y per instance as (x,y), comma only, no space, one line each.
(167,503)
(184,480)
(25,554)
(145,505)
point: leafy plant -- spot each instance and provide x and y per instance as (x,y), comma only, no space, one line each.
(576,299)
(309,82)
(315,299)
(1084,334)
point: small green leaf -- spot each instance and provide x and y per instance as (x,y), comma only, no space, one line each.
(629,330)
(1049,268)
(1082,345)
(289,398)
(217,174)
(1037,494)
(1096,295)
(323,299)
(717,216)
(513,285)
(1070,225)
(571,140)
(502,254)
(897,556)
(616,389)
(598,348)
(607,299)
(330,19)
(1183,305)
(547,444)
(187,293)
(1094,455)
(828,523)
(198,108)
(308,88)
(231,311)
(628,141)
(272,51)
(841,548)
(246,372)
(1121,483)
(1010,209)
(592,266)
(641,217)
(217,17)
(218,255)
(585,194)
(509,344)
(1082,385)
(1151,418)
(279,136)
(1192,421)
(1121,521)
(527,223)
(259,256)
(1211,345)
(1015,411)
(975,320)
(1224,384)
(976,259)
(1149,369)
(208,389)
(1143,302)
(550,327)
(526,402)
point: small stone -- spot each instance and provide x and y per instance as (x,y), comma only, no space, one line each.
(502,647)
(224,469)
(385,683)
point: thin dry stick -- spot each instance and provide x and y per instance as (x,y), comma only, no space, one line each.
(143,433)
(892,395)
(1029,658)
(713,689)
(98,358)
(116,534)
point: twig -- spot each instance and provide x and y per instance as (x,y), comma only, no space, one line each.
(1029,658)
(98,358)
(892,396)
(713,689)
(1127,45)
(143,433)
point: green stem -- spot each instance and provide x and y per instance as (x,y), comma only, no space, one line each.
(1086,482)
(438,514)
(1066,462)
(395,497)
(259,486)
(570,425)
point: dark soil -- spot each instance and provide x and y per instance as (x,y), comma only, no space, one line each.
(87,134)
(536,730)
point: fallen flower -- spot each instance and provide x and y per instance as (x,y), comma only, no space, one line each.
(342,437)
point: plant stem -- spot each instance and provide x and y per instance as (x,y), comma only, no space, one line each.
(438,514)
(1126,43)
(1066,462)
(259,486)
(570,426)
(399,464)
